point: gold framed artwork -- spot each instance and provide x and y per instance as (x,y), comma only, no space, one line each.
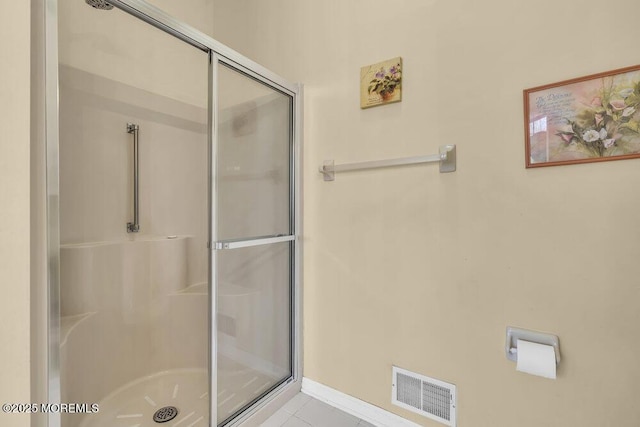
(589,119)
(381,83)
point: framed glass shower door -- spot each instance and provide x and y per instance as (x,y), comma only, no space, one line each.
(216,244)
(254,239)
(134,302)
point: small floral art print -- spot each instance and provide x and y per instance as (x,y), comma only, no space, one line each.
(590,119)
(381,83)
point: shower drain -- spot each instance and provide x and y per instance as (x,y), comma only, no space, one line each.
(165,414)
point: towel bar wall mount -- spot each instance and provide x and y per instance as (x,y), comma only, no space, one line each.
(446,158)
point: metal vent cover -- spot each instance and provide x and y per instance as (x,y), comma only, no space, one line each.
(165,414)
(426,396)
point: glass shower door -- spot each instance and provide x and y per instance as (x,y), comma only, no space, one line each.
(177,221)
(134,303)
(254,254)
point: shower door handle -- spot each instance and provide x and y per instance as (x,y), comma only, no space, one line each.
(247,243)
(134,227)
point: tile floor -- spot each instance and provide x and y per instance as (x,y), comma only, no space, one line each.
(305,411)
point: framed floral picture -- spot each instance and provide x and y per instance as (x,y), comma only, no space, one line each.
(381,83)
(588,119)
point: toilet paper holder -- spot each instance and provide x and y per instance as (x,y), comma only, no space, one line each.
(515,334)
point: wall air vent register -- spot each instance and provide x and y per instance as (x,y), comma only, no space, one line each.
(426,396)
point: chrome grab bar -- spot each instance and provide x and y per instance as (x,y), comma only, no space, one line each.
(134,227)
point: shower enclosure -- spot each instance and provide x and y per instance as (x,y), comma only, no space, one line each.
(173,184)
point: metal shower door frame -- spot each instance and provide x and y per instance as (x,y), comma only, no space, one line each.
(218,53)
(294,382)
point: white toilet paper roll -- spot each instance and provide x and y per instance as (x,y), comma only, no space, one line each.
(536,359)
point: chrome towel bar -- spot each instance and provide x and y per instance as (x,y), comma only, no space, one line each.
(446,158)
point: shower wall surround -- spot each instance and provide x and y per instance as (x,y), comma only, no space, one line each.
(96,164)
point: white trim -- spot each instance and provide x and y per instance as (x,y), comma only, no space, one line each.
(370,413)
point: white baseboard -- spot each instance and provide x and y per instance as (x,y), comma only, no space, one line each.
(356,407)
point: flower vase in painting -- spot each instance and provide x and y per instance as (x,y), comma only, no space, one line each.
(381,83)
(584,120)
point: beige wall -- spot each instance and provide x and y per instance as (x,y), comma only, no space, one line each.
(14,207)
(425,271)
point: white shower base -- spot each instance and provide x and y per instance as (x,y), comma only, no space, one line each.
(134,404)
